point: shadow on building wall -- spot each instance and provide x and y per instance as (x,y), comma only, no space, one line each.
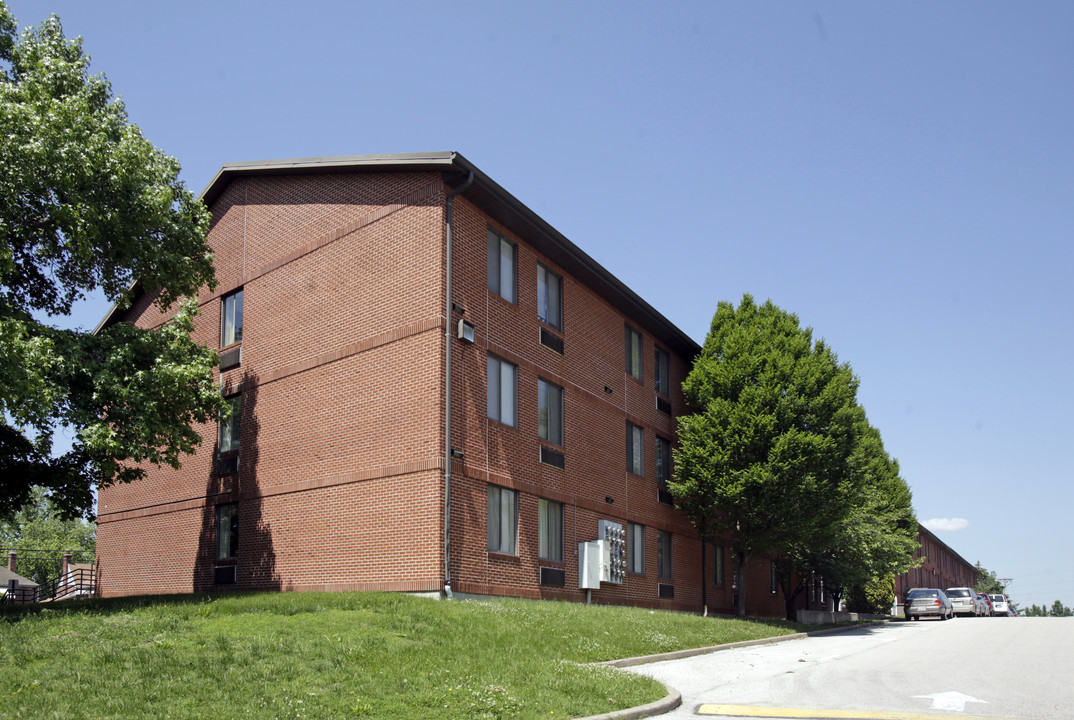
(233,482)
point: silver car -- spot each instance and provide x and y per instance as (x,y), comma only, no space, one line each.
(921,602)
(964,601)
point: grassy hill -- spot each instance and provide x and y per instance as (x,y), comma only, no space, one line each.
(337,655)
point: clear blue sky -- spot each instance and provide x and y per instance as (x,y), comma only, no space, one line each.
(901,176)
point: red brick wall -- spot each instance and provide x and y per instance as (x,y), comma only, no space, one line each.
(338,483)
(594,442)
(340,480)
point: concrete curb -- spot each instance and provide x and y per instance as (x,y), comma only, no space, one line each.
(666,704)
(674,698)
(678,654)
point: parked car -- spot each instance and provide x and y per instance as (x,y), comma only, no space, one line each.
(963,601)
(921,602)
(999,605)
(987,603)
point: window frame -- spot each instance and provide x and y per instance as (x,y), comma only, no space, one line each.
(227,531)
(663,462)
(507,544)
(662,371)
(635,548)
(664,555)
(549,396)
(635,449)
(633,346)
(497,387)
(231,428)
(234,298)
(544,297)
(498,245)
(719,568)
(550,530)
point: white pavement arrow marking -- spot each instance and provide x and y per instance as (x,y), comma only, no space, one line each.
(954,701)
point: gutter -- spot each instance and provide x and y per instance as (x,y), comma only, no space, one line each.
(448,327)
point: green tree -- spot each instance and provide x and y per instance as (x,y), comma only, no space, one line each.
(764,458)
(987,582)
(876,538)
(1036,611)
(1060,610)
(40,537)
(87,203)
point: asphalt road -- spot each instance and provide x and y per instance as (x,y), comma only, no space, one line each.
(968,667)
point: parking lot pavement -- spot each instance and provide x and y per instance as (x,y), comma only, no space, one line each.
(899,670)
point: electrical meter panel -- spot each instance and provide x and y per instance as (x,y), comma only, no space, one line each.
(603,559)
(590,560)
(613,567)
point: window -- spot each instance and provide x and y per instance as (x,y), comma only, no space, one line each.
(635,462)
(549,297)
(663,554)
(663,380)
(636,548)
(720,555)
(231,318)
(550,412)
(227,531)
(501,266)
(773,578)
(663,462)
(734,570)
(503,391)
(229,428)
(633,352)
(550,530)
(503,520)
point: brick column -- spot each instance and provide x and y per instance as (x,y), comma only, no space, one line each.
(11,558)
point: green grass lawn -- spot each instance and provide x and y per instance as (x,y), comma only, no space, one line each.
(337,655)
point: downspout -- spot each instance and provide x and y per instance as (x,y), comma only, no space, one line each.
(448,328)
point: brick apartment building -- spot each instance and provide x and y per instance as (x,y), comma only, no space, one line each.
(347,286)
(941,567)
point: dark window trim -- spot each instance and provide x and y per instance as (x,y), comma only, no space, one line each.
(657,352)
(562,533)
(223,317)
(631,468)
(549,271)
(488,528)
(499,259)
(628,346)
(561,442)
(499,393)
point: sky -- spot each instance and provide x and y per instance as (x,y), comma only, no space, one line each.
(899,175)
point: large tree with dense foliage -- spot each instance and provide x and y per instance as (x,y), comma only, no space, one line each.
(877,538)
(764,459)
(87,203)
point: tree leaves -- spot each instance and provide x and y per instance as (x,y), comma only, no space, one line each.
(778,455)
(87,202)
